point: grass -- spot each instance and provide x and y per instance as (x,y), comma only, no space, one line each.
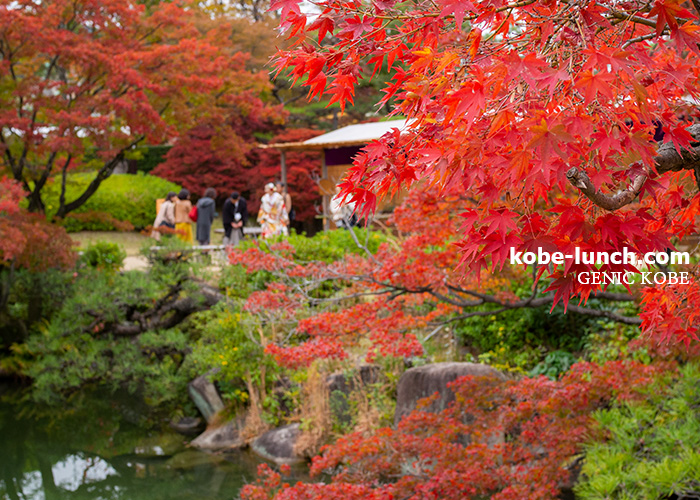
(132,242)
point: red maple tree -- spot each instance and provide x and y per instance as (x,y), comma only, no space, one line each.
(221,155)
(28,241)
(84,81)
(543,114)
(502,440)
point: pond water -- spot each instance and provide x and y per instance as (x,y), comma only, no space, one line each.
(90,451)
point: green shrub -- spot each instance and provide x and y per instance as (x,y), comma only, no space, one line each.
(519,339)
(653,446)
(121,197)
(104,255)
(77,349)
(554,364)
(330,246)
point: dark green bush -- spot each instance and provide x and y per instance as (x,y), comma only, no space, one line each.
(76,350)
(121,197)
(554,364)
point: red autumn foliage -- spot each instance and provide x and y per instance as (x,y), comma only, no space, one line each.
(222,156)
(543,114)
(503,440)
(28,241)
(84,81)
(412,284)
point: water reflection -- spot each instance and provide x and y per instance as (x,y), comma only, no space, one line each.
(97,456)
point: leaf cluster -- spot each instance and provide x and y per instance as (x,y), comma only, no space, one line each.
(652,444)
(82,345)
(104,255)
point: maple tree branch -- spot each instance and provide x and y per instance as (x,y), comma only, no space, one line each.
(632,18)
(580,180)
(667,159)
(631,41)
(627,320)
(546,300)
(102,174)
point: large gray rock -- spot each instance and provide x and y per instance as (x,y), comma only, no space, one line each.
(204,394)
(423,381)
(277,445)
(224,437)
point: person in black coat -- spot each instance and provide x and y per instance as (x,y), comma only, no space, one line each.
(235,216)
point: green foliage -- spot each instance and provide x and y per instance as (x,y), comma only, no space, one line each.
(228,343)
(123,197)
(231,343)
(148,157)
(104,255)
(520,339)
(32,298)
(554,364)
(79,348)
(330,246)
(239,284)
(612,343)
(652,450)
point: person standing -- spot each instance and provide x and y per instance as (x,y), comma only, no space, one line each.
(166,215)
(206,210)
(183,223)
(272,215)
(234,216)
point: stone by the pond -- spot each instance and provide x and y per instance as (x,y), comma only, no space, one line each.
(277,445)
(190,459)
(423,381)
(164,445)
(224,437)
(187,425)
(204,394)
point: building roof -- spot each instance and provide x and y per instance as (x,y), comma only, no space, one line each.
(352,135)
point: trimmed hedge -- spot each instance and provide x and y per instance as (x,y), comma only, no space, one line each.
(122,201)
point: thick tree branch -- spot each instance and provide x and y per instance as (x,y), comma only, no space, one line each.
(102,174)
(167,312)
(580,180)
(667,160)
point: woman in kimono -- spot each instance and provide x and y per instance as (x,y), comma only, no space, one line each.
(272,215)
